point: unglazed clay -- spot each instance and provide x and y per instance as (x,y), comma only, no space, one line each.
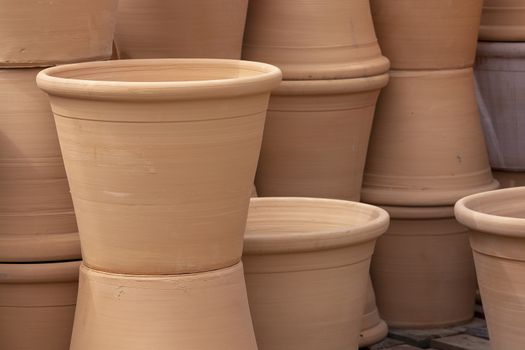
(510,178)
(316,138)
(37,304)
(161,157)
(497,223)
(373,328)
(200,311)
(37,33)
(37,222)
(500,76)
(180,28)
(430,34)
(503,20)
(306,268)
(422,269)
(427,145)
(315,39)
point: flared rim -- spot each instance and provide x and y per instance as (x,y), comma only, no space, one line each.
(46,272)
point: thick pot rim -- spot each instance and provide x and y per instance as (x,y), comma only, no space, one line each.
(47,272)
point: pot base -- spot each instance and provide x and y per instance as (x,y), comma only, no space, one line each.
(373,335)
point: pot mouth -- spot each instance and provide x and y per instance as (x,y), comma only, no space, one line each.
(420,213)
(159,79)
(499,212)
(295,224)
(46,272)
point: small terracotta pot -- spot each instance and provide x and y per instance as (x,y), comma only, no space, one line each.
(38,33)
(510,178)
(316,138)
(500,76)
(422,269)
(37,303)
(373,328)
(427,146)
(315,39)
(430,34)
(503,20)
(180,28)
(161,157)
(497,223)
(37,222)
(188,311)
(306,268)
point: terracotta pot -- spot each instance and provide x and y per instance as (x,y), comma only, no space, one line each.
(431,34)
(161,157)
(500,76)
(497,223)
(373,328)
(38,33)
(36,211)
(315,39)
(306,268)
(181,28)
(316,138)
(189,311)
(37,303)
(503,20)
(510,179)
(422,269)
(427,146)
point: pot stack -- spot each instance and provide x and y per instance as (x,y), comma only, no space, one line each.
(426,151)
(39,244)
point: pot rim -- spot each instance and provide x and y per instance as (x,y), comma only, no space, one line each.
(505,49)
(264,78)
(46,272)
(317,239)
(419,213)
(431,73)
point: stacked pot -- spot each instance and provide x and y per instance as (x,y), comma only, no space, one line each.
(426,151)
(39,244)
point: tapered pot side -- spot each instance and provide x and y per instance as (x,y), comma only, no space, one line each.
(503,20)
(160,157)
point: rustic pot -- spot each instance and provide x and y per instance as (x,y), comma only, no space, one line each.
(188,311)
(315,39)
(373,328)
(510,178)
(180,28)
(37,303)
(38,33)
(37,222)
(160,157)
(430,34)
(503,20)
(422,269)
(497,223)
(427,146)
(316,138)
(500,77)
(306,268)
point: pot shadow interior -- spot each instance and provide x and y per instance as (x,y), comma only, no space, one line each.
(505,203)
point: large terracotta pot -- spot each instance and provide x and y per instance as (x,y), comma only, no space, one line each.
(160,157)
(316,138)
(497,223)
(306,268)
(423,271)
(373,328)
(37,304)
(503,20)
(510,179)
(430,34)
(38,33)
(37,222)
(190,311)
(180,28)
(315,39)
(427,145)
(500,76)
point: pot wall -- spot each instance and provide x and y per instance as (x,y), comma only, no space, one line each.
(503,20)
(373,328)
(510,179)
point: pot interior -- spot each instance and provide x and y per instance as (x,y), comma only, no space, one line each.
(507,203)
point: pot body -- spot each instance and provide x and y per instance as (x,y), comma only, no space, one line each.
(510,179)
(180,28)
(433,34)
(373,328)
(502,20)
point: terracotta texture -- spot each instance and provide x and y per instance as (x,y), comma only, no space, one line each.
(315,39)
(160,157)
(373,328)
(36,211)
(316,138)
(427,145)
(497,223)
(180,28)
(37,303)
(510,179)
(500,76)
(38,33)
(422,269)
(306,268)
(503,20)
(189,311)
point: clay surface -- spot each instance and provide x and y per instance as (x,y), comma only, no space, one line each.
(373,328)
(510,179)
(503,20)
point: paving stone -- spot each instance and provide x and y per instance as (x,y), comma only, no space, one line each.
(405,347)
(423,337)
(387,343)
(475,323)
(461,342)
